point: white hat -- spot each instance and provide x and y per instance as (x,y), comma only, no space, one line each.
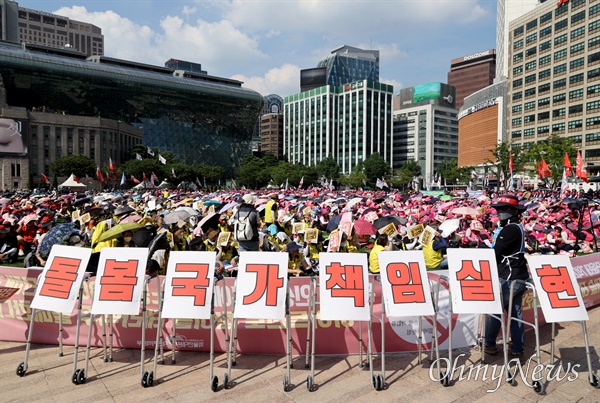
(249,199)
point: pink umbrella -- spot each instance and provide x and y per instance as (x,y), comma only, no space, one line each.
(131,218)
(363,227)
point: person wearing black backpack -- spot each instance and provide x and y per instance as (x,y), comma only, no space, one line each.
(246,222)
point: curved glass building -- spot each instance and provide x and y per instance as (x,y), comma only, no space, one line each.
(200,118)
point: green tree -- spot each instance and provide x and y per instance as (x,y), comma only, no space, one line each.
(252,172)
(553,152)
(80,165)
(355,179)
(146,166)
(375,167)
(329,168)
(450,171)
(406,173)
(502,154)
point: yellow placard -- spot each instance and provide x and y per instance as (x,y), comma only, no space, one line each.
(390,230)
(75,215)
(311,235)
(85,218)
(211,209)
(427,236)
(415,231)
(223,239)
(298,228)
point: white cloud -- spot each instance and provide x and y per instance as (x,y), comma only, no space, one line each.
(187,10)
(283,81)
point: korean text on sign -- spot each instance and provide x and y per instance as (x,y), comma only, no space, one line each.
(404,283)
(189,285)
(120,281)
(344,286)
(474,282)
(61,279)
(557,288)
(261,286)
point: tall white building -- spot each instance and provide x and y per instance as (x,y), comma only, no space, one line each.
(507,11)
(349,122)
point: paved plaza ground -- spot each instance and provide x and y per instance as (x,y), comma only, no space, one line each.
(258,378)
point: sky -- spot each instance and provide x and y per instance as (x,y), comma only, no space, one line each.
(265,43)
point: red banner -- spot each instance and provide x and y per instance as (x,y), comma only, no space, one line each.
(254,336)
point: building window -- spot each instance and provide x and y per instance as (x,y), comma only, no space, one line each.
(561,24)
(530,92)
(544,101)
(575,139)
(530,65)
(532,24)
(517,70)
(544,88)
(531,38)
(518,31)
(593,73)
(544,74)
(594,9)
(517,95)
(576,33)
(531,51)
(592,137)
(558,112)
(516,121)
(529,105)
(558,127)
(561,68)
(578,17)
(578,78)
(546,31)
(578,47)
(593,89)
(518,57)
(574,64)
(544,116)
(575,124)
(576,94)
(530,78)
(561,10)
(593,58)
(546,17)
(518,44)
(559,98)
(517,108)
(594,42)
(575,109)
(529,119)
(517,83)
(515,134)
(529,132)
(543,130)
(592,121)
(593,26)
(560,39)
(545,60)
(592,106)
(560,54)
(545,45)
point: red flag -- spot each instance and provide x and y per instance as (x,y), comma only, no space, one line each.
(87,178)
(45,179)
(511,165)
(144,177)
(76,179)
(111,166)
(153,178)
(580,168)
(134,180)
(99,175)
(539,171)
(567,165)
(545,169)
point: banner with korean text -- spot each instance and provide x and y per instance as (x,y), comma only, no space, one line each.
(474,282)
(262,282)
(557,288)
(120,281)
(61,279)
(189,285)
(344,286)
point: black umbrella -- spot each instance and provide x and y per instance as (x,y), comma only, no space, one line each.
(385,221)
(81,201)
(159,242)
(143,236)
(334,222)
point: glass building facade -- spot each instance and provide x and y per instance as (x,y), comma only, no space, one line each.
(200,118)
(348,64)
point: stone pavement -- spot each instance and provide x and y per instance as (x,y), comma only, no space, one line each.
(259,377)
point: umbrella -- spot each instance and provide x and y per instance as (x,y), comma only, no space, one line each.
(449,226)
(446,197)
(353,201)
(56,235)
(81,201)
(159,242)
(465,211)
(212,203)
(385,221)
(142,237)
(228,207)
(130,218)
(334,222)
(210,220)
(4,200)
(67,197)
(118,229)
(189,210)
(363,227)
(176,216)
(445,205)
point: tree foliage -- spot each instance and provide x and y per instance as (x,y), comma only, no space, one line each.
(553,152)
(406,173)
(329,168)
(375,167)
(80,165)
(452,174)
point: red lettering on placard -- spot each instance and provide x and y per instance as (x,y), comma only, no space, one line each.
(267,281)
(346,281)
(406,282)
(192,286)
(556,281)
(476,285)
(119,280)
(60,277)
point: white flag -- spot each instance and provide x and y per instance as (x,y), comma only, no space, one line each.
(138,157)
(564,188)
(162,159)
(379,184)
(150,151)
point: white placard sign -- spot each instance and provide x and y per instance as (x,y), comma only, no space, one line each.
(61,279)
(344,286)
(262,282)
(405,284)
(557,288)
(474,281)
(189,285)
(120,281)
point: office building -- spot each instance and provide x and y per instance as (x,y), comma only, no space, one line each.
(425,127)
(469,74)
(348,122)
(507,11)
(348,64)
(270,126)
(200,118)
(554,76)
(9,27)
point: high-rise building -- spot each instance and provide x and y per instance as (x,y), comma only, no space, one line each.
(348,64)
(554,76)
(271,128)
(469,74)
(9,28)
(508,10)
(348,122)
(55,31)
(425,127)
